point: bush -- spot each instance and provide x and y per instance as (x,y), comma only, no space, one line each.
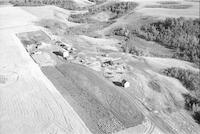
(79,18)
(191,81)
(196,116)
(192,104)
(121,32)
(188,78)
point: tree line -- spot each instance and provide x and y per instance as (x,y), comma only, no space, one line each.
(180,34)
(117,8)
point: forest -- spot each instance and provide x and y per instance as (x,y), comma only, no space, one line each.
(180,34)
(191,81)
(117,8)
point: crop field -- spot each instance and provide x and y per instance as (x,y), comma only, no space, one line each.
(32,37)
(165,9)
(103,109)
(170,6)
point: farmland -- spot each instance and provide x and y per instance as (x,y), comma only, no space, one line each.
(99,66)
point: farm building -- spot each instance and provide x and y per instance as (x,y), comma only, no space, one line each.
(125,83)
(64,54)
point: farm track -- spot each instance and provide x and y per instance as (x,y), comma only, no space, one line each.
(150,129)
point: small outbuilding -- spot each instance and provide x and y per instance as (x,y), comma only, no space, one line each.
(125,83)
(65,54)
